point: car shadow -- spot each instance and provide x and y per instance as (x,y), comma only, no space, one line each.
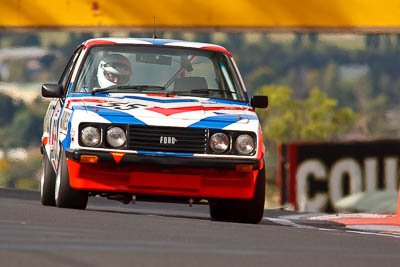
(178,212)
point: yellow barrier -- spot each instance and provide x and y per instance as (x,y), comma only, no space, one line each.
(360,15)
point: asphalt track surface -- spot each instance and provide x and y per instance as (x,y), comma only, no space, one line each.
(108,233)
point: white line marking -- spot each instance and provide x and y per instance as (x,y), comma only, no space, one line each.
(286,222)
(371,233)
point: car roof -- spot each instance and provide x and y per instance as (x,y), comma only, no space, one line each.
(158,42)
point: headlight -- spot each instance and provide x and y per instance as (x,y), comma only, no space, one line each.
(244,144)
(116,137)
(219,142)
(90,136)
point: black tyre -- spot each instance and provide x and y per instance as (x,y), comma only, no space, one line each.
(220,210)
(252,210)
(242,210)
(65,195)
(47,182)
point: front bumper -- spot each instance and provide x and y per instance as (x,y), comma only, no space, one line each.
(165,161)
(163,175)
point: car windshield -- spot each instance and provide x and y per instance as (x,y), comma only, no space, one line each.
(160,70)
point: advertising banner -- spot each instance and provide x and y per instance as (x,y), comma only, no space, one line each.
(313,176)
(222,15)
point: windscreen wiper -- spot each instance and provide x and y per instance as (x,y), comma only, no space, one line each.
(197,91)
(129,87)
(205,90)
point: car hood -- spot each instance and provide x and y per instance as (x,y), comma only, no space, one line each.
(152,107)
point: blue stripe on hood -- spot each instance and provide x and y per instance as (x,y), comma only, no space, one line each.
(220,122)
(114,116)
(224,101)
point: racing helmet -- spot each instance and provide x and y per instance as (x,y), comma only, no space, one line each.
(114,69)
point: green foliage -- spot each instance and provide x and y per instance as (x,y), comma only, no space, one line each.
(315,118)
(27,184)
(30,39)
(8,107)
(19,72)
(22,174)
(74,41)
(24,127)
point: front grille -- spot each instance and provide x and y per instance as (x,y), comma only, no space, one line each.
(167,139)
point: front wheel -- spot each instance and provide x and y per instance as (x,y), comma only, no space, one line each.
(65,195)
(242,210)
(47,182)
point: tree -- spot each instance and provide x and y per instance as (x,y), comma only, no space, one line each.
(8,107)
(313,38)
(316,118)
(25,129)
(298,40)
(204,37)
(21,174)
(372,41)
(30,39)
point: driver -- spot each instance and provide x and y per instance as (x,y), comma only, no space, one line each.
(114,69)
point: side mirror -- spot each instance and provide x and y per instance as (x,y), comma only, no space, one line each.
(52,90)
(259,101)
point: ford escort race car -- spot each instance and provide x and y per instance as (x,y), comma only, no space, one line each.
(154,120)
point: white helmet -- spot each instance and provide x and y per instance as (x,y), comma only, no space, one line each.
(114,69)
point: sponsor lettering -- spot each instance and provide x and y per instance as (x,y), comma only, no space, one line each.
(168,140)
(120,106)
(314,176)
(361,177)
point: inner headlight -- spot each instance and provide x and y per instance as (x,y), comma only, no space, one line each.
(90,136)
(219,142)
(116,137)
(244,144)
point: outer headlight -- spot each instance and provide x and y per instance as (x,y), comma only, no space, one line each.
(90,136)
(116,137)
(244,144)
(219,142)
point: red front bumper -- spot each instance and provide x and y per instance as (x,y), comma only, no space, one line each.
(159,180)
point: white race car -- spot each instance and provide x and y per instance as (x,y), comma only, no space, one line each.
(152,119)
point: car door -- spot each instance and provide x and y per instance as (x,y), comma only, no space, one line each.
(58,106)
